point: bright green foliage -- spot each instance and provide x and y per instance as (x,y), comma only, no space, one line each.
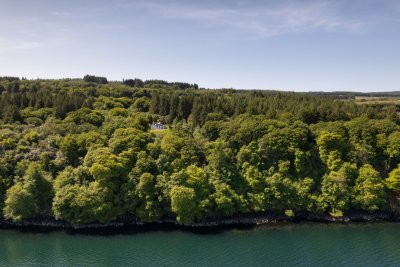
(249,154)
(254,178)
(19,203)
(119,112)
(83,204)
(334,160)
(283,193)
(142,104)
(70,149)
(32,137)
(393,181)
(8,139)
(224,152)
(226,200)
(148,205)
(171,144)
(129,138)
(144,163)
(369,190)
(331,148)
(195,178)
(184,205)
(362,135)
(303,190)
(72,176)
(211,130)
(85,115)
(335,194)
(81,200)
(256,183)
(221,165)
(280,192)
(108,169)
(30,197)
(393,146)
(95,204)
(103,102)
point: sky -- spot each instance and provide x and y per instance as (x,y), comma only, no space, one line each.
(303,45)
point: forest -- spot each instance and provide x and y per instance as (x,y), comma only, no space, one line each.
(82,151)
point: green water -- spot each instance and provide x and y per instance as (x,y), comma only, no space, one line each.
(299,245)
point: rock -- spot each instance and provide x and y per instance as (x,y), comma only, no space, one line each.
(247,219)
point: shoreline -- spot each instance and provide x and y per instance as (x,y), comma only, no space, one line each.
(211,226)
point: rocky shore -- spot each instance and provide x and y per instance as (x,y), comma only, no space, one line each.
(248,220)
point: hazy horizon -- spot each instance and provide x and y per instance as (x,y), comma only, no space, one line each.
(287,45)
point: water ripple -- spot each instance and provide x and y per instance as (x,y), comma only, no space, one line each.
(292,245)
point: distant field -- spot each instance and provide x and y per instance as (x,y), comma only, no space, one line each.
(370,100)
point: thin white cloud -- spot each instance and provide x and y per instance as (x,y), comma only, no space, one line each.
(29,33)
(58,26)
(262,21)
(11,44)
(60,13)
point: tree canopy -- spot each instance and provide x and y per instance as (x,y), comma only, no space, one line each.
(81,150)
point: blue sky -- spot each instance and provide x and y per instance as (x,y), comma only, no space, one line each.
(287,45)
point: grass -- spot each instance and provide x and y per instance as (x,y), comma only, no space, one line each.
(160,133)
(376,100)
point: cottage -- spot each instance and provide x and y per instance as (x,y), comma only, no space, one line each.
(158,126)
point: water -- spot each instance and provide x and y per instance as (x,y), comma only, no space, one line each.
(299,245)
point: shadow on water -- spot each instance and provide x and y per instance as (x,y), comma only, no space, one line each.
(171,227)
(131,229)
(156,227)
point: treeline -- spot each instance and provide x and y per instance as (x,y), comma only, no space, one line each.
(175,104)
(84,152)
(95,79)
(9,78)
(306,107)
(138,83)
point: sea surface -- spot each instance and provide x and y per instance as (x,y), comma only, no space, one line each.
(309,244)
